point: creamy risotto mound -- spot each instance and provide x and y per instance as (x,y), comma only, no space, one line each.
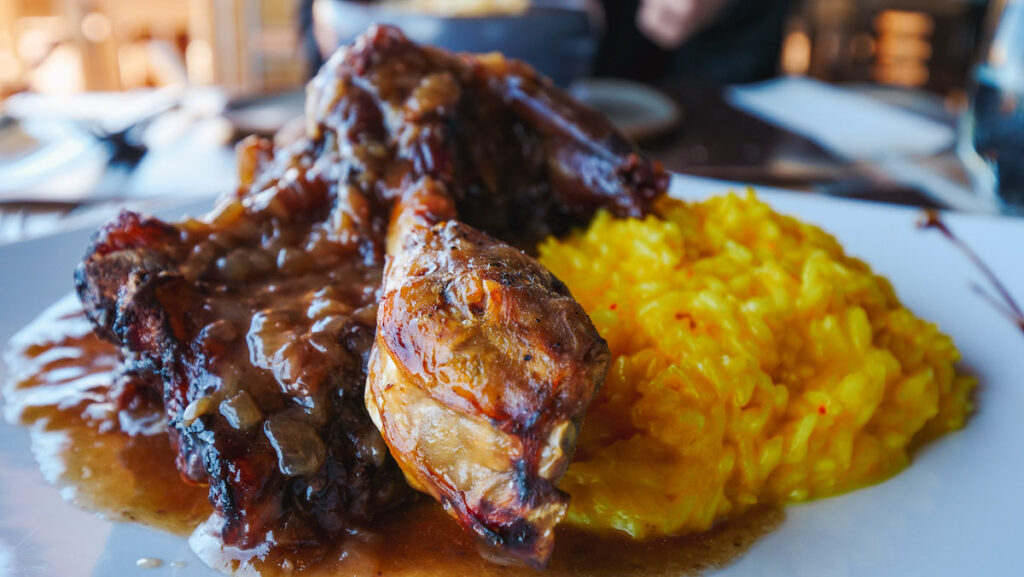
(753,362)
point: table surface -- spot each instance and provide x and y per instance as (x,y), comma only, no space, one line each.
(713,140)
(717,140)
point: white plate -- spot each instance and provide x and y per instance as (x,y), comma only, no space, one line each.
(957,511)
(639,111)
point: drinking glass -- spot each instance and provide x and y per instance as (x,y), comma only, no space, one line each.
(991,140)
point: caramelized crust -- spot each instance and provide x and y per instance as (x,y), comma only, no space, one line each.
(482,370)
(519,158)
(468,309)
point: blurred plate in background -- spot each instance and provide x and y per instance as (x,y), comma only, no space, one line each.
(639,111)
(46,160)
(264,114)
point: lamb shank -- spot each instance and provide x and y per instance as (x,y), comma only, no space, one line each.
(482,369)
(257,321)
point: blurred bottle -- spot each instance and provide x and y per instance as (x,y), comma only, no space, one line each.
(992,129)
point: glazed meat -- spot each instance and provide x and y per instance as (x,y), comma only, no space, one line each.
(520,159)
(258,319)
(482,369)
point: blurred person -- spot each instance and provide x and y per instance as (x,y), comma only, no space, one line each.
(722,41)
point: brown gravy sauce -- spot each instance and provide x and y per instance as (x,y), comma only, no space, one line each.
(59,376)
(60,373)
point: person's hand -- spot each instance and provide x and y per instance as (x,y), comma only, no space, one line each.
(669,23)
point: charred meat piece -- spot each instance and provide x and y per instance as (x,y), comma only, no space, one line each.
(482,370)
(519,157)
(258,319)
(484,364)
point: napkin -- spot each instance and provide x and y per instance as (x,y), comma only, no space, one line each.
(885,139)
(850,125)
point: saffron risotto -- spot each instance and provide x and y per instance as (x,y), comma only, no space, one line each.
(753,361)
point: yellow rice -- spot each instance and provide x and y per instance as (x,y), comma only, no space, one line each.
(753,361)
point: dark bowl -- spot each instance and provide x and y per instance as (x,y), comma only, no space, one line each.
(557,37)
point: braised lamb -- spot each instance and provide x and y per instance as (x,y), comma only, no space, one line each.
(259,319)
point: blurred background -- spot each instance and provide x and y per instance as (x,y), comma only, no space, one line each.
(909,101)
(257,46)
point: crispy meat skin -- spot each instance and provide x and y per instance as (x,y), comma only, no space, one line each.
(259,318)
(482,369)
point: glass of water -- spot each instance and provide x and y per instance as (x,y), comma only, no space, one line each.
(992,130)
